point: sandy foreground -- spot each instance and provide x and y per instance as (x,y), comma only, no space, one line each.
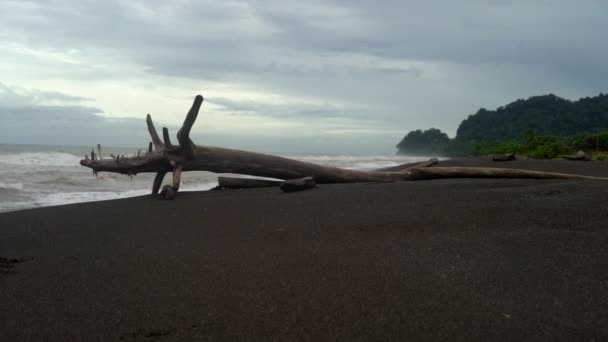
(460,259)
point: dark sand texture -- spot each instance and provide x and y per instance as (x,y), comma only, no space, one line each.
(429,260)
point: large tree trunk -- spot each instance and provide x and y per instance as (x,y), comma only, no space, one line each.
(189,157)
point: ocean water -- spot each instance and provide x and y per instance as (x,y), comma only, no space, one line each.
(36,175)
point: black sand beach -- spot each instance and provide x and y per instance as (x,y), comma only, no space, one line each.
(460,259)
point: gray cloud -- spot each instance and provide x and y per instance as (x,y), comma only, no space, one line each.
(16,96)
(290,111)
(390,65)
(27,119)
(214,38)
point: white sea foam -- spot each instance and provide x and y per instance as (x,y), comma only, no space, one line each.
(46,175)
(83,196)
(11,186)
(15,205)
(92,196)
(26,159)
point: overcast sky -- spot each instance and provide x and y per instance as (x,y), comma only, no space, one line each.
(285,76)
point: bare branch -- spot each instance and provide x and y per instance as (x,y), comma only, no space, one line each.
(183,135)
(158,181)
(177,178)
(166,138)
(158,144)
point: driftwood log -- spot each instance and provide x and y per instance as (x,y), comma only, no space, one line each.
(503,157)
(428,163)
(186,156)
(579,156)
(293,185)
(224,183)
(228,183)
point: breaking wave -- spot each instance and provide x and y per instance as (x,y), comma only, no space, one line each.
(44,176)
(40,158)
(11,186)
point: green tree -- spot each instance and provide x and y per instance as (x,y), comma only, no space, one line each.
(544,115)
(430,142)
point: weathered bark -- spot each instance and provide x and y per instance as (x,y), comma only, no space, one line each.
(189,157)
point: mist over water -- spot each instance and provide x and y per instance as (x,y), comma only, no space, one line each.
(37,175)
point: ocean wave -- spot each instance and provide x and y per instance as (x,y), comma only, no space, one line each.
(64,181)
(14,205)
(59,198)
(11,186)
(35,178)
(40,158)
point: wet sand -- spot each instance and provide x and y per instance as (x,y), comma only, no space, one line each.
(460,259)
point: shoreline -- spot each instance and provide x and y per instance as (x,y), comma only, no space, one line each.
(45,176)
(531,164)
(458,259)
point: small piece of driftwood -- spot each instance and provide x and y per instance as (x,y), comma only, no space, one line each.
(503,157)
(298,184)
(427,163)
(580,155)
(245,183)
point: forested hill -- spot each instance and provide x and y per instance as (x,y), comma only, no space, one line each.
(544,115)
